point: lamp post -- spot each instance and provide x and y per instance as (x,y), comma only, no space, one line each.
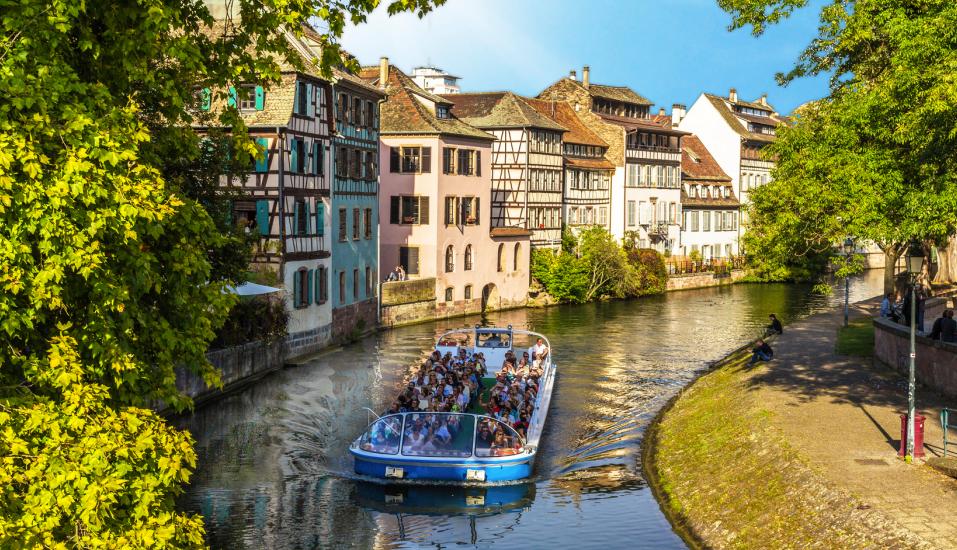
(848,250)
(915,260)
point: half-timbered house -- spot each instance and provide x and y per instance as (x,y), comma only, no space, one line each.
(287,190)
(587,175)
(526,162)
(710,207)
(645,194)
(435,189)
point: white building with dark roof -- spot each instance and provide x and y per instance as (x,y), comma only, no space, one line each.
(435,81)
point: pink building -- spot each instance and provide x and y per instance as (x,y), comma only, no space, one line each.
(435,203)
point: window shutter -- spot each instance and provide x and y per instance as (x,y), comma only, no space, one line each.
(260,98)
(320,218)
(294,156)
(478,214)
(426,160)
(307,160)
(296,293)
(413,268)
(309,278)
(206,99)
(394,210)
(316,158)
(308,217)
(262,216)
(478,164)
(319,292)
(449,210)
(310,106)
(233,100)
(393,159)
(262,164)
(424,210)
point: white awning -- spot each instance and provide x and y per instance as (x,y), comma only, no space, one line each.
(252,289)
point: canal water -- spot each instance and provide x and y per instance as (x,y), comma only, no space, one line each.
(274,471)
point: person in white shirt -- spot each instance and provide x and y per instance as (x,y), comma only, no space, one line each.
(539,352)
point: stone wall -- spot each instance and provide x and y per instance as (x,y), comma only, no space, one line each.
(237,365)
(407,292)
(702,280)
(936,365)
(308,341)
(353,320)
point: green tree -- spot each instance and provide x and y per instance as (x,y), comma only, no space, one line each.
(887,169)
(114,252)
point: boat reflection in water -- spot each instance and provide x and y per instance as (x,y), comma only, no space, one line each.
(444,500)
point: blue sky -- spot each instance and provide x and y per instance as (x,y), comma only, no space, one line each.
(667,50)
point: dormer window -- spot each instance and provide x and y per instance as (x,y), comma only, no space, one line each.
(443,111)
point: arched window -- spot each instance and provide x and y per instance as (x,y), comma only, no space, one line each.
(449,294)
(449,259)
(501,257)
(468,257)
(516,256)
(468,291)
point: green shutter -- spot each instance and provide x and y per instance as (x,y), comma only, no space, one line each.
(294,156)
(305,206)
(316,157)
(206,99)
(262,216)
(295,100)
(310,108)
(307,162)
(260,98)
(295,289)
(233,99)
(262,163)
(309,279)
(320,218)
(295,219)
(318,285)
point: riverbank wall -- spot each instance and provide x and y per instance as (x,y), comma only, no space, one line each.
(703,280)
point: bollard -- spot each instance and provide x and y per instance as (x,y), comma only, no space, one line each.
(918,436)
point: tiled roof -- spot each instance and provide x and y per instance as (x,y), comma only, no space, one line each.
(589,164)
(731,201)
(756,105)
(509,232)
(403,113)
(499,110)
(697,164)
(564,114)
(723,106)
(631,124)
(617,93)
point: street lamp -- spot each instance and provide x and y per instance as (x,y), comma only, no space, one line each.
(915,261)
(848,250)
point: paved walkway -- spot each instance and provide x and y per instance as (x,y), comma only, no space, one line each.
(843,413)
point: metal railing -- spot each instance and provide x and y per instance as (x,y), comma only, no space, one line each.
(718,266)
(945,425)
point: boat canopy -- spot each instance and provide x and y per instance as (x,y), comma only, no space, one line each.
(441,435)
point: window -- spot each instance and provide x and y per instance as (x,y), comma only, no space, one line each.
(501,257)
(358,115)
(451,210)
(573,215)
(468,257)
(464,167)
(355,284)
(468,292)
(368,282)
(262,162)
(409,259)
(367,223)
(470,210)
(694,221)
(448,294)
(342,287)
(249,97)
(297,156)
(631,213)
(448,160)
(442,111)
(355,224)
(410,160)
(603,215)
(342,108)
(516,256)
(302,98)
(449,259)
(301,217)
(409,210)
(343,225)
(370,114)
(322,285)
(302,288)
(706,221)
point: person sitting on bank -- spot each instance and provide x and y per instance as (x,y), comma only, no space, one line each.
(945,328)
(887,305)
(775,327)
(761,352)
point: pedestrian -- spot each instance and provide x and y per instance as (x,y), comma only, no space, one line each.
(400,272)
(761,352)
(887,305)
(945,328)
(775,327)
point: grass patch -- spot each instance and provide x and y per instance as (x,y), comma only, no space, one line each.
(857,338)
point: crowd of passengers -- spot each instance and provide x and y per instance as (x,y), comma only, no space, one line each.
(450,383)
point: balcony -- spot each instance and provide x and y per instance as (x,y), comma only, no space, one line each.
(655,153)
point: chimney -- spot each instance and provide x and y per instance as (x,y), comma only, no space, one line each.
(763,100)
(678,112)
(661,111)
(572,75)
(733,96)
(585,75)
(383,71)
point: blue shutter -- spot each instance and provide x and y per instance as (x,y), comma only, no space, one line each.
(316,157)
(294,156)
(262,164)
(318,285)
(233,99)
(295,289)
(320,218)
(206,99)
(307,163)
(262,216)
(309,279)
(295,220)
(308,218)
(310,107)
(260,98)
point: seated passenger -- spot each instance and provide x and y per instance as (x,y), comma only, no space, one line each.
(442,435)
(501,446)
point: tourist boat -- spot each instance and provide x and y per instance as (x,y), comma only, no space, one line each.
(384,450)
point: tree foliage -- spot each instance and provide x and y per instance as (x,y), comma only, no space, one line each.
(592,266)
(113,249)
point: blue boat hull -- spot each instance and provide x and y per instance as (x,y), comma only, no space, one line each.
(499,471)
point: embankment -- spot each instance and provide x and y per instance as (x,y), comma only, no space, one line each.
(727,478)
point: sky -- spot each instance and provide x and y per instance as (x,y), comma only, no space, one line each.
(669,51)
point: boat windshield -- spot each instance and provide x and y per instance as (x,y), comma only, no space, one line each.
(495,438)
(438,434)
(493,339)
(383,435)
